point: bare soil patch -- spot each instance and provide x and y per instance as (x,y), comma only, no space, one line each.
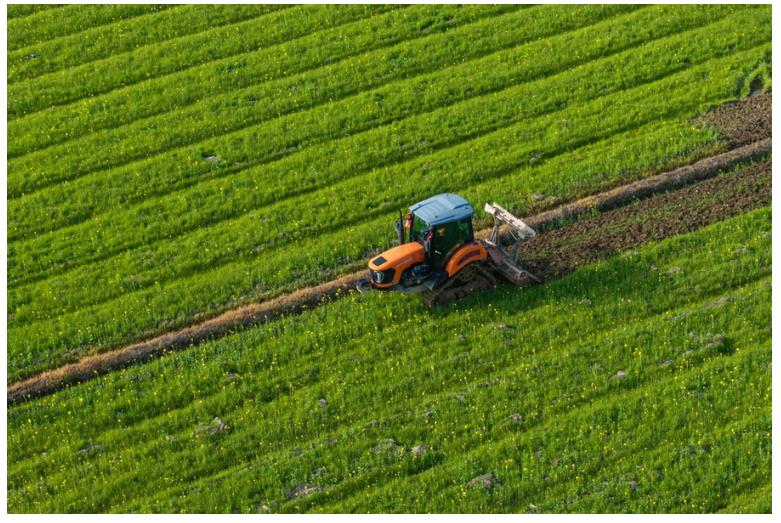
(560,251)
(742,122)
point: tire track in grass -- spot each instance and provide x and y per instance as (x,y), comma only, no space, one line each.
(367,420)
(70,19)
(36,209)
(107,249)
(125,36)
(92,366)
(388,61)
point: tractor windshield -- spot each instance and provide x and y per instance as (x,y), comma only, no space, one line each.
(419,229)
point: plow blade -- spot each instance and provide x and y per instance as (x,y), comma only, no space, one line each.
(510,270)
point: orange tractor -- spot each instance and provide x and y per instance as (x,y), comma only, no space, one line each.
(438,255)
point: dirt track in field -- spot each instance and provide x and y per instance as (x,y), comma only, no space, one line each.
(549,255)
(560,251)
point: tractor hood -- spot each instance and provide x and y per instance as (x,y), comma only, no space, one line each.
(399,257)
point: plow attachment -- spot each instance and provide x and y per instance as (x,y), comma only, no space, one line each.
(506,263)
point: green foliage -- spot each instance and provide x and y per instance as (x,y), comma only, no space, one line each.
(169,162)
(34,24)
(414,108)
(225,257)
(125,36)
(652,396)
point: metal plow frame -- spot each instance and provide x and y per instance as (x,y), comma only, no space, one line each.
(507,264)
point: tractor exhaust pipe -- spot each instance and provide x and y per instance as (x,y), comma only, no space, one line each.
(400,229)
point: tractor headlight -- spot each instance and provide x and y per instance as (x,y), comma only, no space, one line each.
(385,276)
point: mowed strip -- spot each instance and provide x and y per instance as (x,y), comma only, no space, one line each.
(72,84)
(46,24)
(129,422)
(293,134)
(612,118)
(326,44)
(124,36)
(380,50)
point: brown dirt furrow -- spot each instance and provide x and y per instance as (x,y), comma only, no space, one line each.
(545,256)
(560,251)
(645,187)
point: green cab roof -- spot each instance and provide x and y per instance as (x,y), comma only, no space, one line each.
(442,208)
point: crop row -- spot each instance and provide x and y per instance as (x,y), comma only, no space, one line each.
(622,439)
(216,54)
(124,36)
(290,135)
(394,49)
(265,383)
(20,10)
(301,216)
(279,51)
(43,345)
(48,24)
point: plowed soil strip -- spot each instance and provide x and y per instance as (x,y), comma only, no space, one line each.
(560,251)
(549,255)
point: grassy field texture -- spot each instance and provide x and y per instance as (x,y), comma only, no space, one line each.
(641,384)
(276,155)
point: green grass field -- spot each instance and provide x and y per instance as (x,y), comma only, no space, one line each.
(522,386)
(167,163)
(270,162)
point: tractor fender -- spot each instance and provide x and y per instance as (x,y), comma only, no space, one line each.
(466,254)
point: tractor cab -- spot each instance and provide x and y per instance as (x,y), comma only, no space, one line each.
(441,224)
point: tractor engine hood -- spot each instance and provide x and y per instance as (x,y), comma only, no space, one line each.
(399,257)
(385,270)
